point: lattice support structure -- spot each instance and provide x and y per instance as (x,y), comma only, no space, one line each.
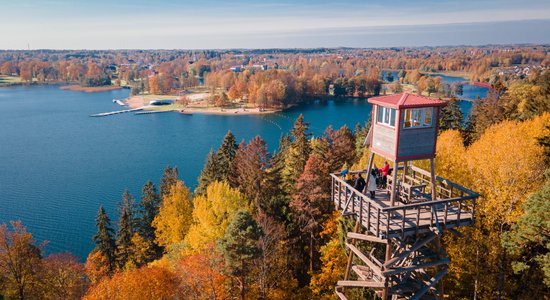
(394,248)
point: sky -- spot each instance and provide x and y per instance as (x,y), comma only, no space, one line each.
(217,24)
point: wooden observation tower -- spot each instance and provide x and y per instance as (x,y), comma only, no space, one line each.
(394,248)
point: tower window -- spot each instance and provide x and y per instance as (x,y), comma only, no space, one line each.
(418,117)
(386,116)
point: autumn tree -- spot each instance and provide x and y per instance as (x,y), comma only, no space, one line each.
(272,271)
(20,261)
(504,175)
(202,275)
(212,213)
(62,277)
(311,205)
(174,217)
(333,260)
(240,247)
(144,283)
(342,148)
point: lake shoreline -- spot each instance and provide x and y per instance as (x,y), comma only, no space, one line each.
(90,89)
(134,102)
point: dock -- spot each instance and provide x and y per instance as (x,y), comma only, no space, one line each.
(110,113)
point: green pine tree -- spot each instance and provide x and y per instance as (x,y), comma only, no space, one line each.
(127,225)
(297,154)
(169,178)
(123,241)
(239,246)
(104,238)
(149,208)
(225,155)
(208,174)
(451,116)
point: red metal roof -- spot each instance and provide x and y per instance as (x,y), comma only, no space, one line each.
(406,100)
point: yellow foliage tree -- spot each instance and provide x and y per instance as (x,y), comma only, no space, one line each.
(505,166)
(333,259)
(212,214)
(144,283)
(174,217)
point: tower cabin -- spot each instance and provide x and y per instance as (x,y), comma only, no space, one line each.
(412,207)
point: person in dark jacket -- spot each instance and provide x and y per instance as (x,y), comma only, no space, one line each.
(360,183)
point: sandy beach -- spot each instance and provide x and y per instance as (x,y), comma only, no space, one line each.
(90,89)
(139,102)
(230,111)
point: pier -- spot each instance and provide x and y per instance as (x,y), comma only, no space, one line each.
(110,113)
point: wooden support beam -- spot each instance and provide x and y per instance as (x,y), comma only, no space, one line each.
(361,283)
(430,284)
(415,267)
(365,237)
(375,269)
(350,257)
(340,294)
(419,244)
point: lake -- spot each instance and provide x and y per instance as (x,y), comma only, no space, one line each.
(58,165)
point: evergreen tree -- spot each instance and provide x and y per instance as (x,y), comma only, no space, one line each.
(226,155)
(451,116)
(123,241)
(104,238)
(209,174)
(240,247)
(169,178)
(250,172)
(127,225)
(149,208)
(297,154)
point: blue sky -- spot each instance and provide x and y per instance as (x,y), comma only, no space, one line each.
(170,24)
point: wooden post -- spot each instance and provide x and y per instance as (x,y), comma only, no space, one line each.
(350,257)
(393,192)
(385,294)
(358,224)
(432,179)
(371,161)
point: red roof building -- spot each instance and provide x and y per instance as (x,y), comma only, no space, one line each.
(404,126)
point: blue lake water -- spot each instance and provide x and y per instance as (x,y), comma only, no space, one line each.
(58,165)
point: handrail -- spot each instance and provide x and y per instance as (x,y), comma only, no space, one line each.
(428,203)
(472,195)
(365,198)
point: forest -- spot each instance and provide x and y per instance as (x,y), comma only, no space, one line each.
(261,225)
(277,78)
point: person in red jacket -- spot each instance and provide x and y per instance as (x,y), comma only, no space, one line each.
(385,171)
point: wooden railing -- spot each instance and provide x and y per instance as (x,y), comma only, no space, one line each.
(454,206)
